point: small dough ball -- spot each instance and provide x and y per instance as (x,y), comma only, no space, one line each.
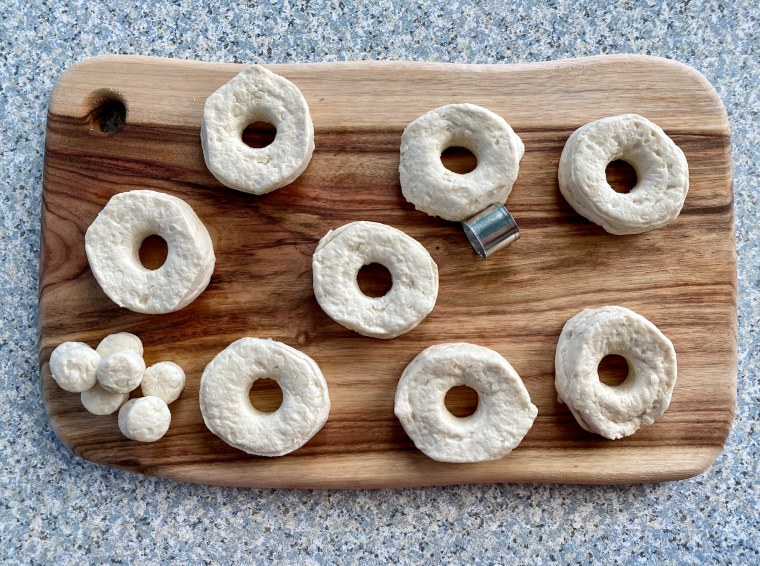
(119,341)
(101,402)
(145,419)
(63,347)
(164,380)
(121,372)
(74,367)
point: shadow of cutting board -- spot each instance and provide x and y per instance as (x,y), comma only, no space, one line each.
(681,277)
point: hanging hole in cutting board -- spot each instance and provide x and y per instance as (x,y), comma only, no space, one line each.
(153,252)
(259,134)
(265,395)
(461,401)
(621,176)
(613,370)
(108,112)
(374,280)
(459,160)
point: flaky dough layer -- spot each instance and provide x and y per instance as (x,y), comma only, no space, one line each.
(661,168)
(113,240)
(503,417)
(432,188)
(227,409)
(614,412)
(254,95)
(340,255)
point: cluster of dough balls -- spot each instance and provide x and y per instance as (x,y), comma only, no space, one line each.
(106,375)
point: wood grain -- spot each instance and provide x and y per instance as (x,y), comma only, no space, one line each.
(681,277)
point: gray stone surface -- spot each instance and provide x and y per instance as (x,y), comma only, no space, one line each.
(56,508)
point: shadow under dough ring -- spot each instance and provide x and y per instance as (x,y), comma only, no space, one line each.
(614,411)
(256,95)
(432,188)
(113,240)
(226,405)
(503,416)
(340,255)
(660,165)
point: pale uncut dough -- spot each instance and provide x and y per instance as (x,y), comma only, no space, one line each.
(255,95)
(614,412)
(121,372)
(503,416)
(227,409)
(432,188)
(164,380)
(119,341)
(113,243)
(661,169)
(73,366)
(340,255)
(145,419)
(98,401)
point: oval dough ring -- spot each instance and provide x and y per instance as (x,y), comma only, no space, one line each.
(340,255)
(113,243)
(226,406)
(661,169)
(503,417)
(432,188)
(256,94)
(614,412)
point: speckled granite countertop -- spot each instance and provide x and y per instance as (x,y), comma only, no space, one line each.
(56,508)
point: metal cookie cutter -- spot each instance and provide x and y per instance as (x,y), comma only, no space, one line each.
(491,229)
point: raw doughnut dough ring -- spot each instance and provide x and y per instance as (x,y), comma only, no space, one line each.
(113,243)
(661,168)
(227,409)
(340,255)
(614,412)
(254,95)
(432,188)
(503,417)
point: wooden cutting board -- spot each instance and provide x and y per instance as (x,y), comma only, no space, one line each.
(681,277)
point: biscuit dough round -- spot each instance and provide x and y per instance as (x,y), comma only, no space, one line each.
(227,409)
(257,94)
(614,411)
(661,169)
(121,372)
(340,255)
(164,380)
(98,401)
(73,366)
(145,419)
(503,416)
(432,188)
(119,341)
